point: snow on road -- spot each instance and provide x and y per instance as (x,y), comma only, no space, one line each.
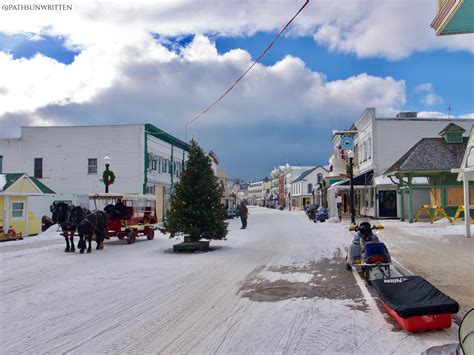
(279,286)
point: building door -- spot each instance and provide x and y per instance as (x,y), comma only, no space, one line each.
(388,203)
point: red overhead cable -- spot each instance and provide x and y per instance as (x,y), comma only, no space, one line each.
(249,68)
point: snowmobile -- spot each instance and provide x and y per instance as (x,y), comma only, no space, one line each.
(367,253)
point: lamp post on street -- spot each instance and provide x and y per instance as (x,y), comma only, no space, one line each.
(108,176)
(350,155)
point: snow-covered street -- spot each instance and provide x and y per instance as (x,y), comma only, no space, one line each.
(279,286)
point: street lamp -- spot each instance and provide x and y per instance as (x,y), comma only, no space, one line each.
(350,155)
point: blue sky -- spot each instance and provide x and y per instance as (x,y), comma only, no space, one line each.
(22,46)
(452,82)
(173,60)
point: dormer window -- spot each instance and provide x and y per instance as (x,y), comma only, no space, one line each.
(452,133)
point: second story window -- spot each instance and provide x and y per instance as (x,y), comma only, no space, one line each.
(38,165)
(92,166)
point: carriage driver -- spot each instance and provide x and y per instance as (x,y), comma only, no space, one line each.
(120,207)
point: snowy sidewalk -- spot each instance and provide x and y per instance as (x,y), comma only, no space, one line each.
(439,252)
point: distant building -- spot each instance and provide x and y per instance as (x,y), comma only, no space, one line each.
(255,193)
(305,186)
(70,159)
(291,173)
(277,190)
(229,198)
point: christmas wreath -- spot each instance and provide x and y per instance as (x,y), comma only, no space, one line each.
(108,177)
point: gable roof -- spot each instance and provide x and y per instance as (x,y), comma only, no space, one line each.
(307,172)
(43,188)
(430,154)
(452,127)
(10,179)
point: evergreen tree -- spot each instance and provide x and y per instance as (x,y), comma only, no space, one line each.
(196,208)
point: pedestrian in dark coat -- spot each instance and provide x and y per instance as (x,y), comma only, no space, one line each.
(244,213)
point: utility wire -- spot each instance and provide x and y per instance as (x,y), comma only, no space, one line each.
(244,73)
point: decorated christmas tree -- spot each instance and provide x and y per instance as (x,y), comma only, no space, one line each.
(196,208)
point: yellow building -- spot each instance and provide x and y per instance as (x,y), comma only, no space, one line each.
(17,192)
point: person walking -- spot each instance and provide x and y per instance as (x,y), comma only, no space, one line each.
(339,205)
(244,213)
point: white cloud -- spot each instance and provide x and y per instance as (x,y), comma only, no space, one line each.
(147,82)
(367,28)
(436,114)
(427,95)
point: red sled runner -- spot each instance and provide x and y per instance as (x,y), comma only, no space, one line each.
(416,304)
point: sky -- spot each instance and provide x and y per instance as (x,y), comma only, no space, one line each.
(163,62)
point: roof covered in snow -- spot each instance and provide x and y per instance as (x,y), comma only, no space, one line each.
(3,181)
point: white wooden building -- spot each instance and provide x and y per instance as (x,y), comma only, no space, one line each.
(305,189)
(70,159)
(379,143)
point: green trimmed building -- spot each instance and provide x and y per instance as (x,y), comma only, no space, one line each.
(70,160)
(424,173)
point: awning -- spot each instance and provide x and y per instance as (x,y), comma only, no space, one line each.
(364,179)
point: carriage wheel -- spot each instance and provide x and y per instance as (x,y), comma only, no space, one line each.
(150,234)
(131,237)
(120,236)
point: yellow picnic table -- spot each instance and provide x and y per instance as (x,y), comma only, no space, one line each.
(434,212)
(460,210)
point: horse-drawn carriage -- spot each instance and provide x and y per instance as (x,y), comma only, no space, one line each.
(129,216)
